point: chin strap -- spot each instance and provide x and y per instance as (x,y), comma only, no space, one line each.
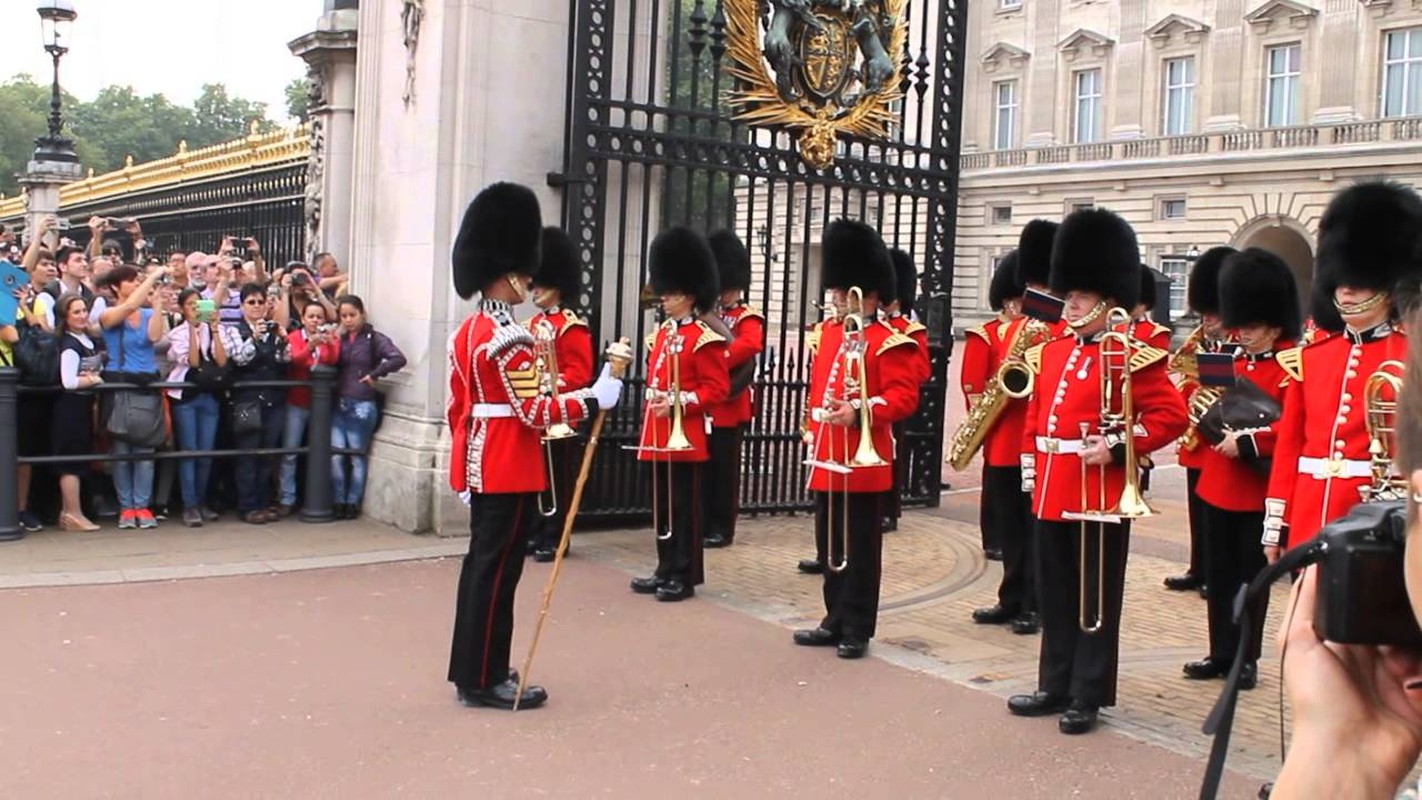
(1220,722)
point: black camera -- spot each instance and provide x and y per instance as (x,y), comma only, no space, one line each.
(1362,595)
(300,279)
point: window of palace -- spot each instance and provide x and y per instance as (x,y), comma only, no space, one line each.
(1086,122)
(1282,68)
(1178,96)
(1402,73)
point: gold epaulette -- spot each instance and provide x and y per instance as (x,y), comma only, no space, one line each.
(1156,328)
(914,327)
(524,382)
(750,312)
(812,339)
(895,340)
(1145,355)
(1292,362)
(707,336)
(979,330)
(569,320)
(1033,356)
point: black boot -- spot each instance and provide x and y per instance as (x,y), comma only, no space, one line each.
(810,566)
(1037,704)
(648,585)
(1206,669)
(994,615)
(1183,583)
(714,540)
(816,637)
(852,648)
(501,695)
(1080,718)
(674,590)
(1026,624)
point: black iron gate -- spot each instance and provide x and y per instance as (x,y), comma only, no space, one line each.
(652,143)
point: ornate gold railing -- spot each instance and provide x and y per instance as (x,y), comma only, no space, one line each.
(1369,132)
(253,151)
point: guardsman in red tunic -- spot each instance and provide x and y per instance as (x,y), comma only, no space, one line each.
(1203,297)
(981,348)
(862,381)
(686,377)
(899,314)
(729,419)
(1257,304)
(1004,508)
(1145,328)
(1094,267)
(1367,245)
(555,289)
(496,418)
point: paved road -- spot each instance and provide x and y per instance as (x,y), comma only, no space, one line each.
(329,683)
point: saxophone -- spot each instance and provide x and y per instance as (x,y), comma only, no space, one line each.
(1013,381)
(1185,365)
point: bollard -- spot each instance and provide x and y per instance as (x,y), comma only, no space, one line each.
(10,529)
(316,506)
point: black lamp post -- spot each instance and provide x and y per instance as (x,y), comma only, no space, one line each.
(55,18)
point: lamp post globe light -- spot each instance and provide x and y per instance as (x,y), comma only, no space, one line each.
(56,16)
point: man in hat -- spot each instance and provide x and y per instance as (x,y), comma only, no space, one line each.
(1145,328)
(1094,268)
(729,419)
(555,291)
(863,372)
(1259,302)
(496,416)
(686,377)
(899,315)
(1003,508)
(1367,245)
(1203,296)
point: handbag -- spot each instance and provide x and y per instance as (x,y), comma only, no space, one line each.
(1243,407)
(136,416)
(208,376)
(246,417)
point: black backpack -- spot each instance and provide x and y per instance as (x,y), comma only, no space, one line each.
(37,356)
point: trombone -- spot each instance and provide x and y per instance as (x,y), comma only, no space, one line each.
(856,387)
(545,339)
(1117,417)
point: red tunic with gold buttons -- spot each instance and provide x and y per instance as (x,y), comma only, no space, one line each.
(1068,393)
(1152,333)
(700,355)
(1230,483)
(891,385)
(1002,446)
(979,358)
(1321,459)
(573,347)
(919,334)
(748,331)
(495,412)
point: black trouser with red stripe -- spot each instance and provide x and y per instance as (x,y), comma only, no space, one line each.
(1074,663)
(723,489)
(679,555)
(1235,557)
(564,459)
(1007,510)
(499,525)
(851,596)
(1199,524)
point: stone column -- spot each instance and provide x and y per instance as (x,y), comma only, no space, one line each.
(330,56)
(42,182)
(452,96)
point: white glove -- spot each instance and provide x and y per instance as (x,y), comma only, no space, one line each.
(607,389)
(466,497)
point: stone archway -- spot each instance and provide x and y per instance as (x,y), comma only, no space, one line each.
(1287,239)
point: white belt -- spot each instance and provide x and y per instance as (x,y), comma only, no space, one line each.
(492,410)
(1325,468)
(1047,444)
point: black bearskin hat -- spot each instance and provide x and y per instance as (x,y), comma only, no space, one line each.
(1095,251)
(1368,237)
(1324,314)
(1257,287)
(1005,285)
(682,263)
(500,234)
(560,269)
(733,262)
(905,279)
(1034,252)
(1202,291)
(854,255)
(1147,296)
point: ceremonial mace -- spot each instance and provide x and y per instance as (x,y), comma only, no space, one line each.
(619,355)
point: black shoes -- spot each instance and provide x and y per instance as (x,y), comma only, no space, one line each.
(1037,704)
(889,524)
(648,585)
(1080,718)
(1026,624)
(852,648)
(1206,669)
(674,590)
(810,566)
(1184,583)
(501,695)
(816,637)
(1249,676)
(994,615)
(993,554)
(714,541)
(544,554)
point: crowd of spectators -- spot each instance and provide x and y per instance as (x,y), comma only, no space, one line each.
(115,314)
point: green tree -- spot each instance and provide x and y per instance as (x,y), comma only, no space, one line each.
(24,117)
(220,118)
(298,99)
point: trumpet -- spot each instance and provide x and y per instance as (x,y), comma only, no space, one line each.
(1380,395)
(1117,418)
(545,339)
(851,355)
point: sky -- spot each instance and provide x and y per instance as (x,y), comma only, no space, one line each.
(170,47)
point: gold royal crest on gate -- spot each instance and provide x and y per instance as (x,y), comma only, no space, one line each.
(823,68)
